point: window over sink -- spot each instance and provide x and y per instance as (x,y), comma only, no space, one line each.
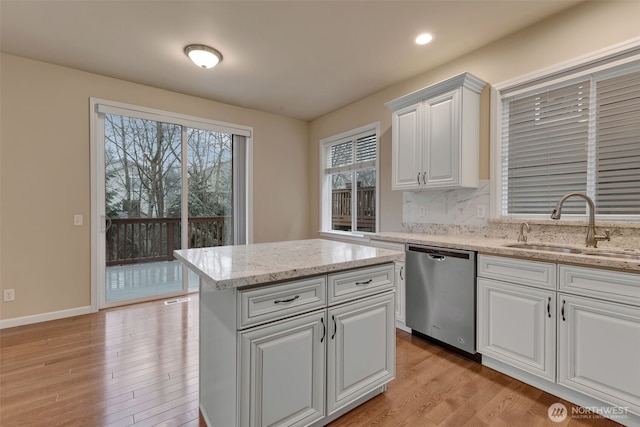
(576,129)
(349,181)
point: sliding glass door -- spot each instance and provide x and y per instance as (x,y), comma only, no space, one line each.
(163,186)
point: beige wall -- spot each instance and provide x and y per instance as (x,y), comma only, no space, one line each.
(581,30)
(45,176)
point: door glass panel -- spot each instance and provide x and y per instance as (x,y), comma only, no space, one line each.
(210,184)
(143,188)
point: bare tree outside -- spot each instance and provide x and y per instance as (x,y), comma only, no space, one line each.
(144,188)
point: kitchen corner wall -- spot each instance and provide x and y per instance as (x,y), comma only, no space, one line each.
(580,30)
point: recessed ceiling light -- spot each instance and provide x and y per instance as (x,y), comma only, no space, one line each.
(203,56)
(424,38)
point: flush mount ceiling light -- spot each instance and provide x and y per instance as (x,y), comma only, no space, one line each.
(424,38)
(203,56)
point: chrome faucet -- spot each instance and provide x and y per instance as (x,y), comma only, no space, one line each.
(592,237)
(523,237)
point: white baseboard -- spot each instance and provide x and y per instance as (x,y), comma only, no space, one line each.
(400,325)
(45,317)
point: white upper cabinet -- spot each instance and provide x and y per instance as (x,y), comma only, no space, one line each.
(436,135)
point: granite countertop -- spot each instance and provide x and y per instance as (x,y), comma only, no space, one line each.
(497,247)
(243,265)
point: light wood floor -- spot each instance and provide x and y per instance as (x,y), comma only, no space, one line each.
(138,365)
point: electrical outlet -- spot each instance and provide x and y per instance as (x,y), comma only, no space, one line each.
(9,295)
(481,211)
(77,220)
(423,211)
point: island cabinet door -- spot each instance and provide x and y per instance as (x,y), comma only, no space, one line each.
(282,372)
(360,349)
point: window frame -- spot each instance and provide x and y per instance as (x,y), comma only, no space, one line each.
(601,63)
(325,184)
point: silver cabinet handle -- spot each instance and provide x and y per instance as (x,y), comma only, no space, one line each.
(364,283)
(279,301)
(401,270)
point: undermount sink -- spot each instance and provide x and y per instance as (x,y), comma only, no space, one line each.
(549,248)
(568,250)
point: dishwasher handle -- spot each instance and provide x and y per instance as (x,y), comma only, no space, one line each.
(440,254)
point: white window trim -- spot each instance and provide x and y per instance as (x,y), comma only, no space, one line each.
(325,200)
(98,106)
(557,73)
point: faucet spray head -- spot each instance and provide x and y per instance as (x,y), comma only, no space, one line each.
(557,211)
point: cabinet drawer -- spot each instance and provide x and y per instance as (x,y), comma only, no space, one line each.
(353,284)
(533,273)
(269,303)
(616,286)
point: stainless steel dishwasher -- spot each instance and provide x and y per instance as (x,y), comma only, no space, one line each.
(441,296)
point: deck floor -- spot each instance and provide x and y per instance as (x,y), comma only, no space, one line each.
(134,281)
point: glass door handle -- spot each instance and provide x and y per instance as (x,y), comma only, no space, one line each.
(106,223)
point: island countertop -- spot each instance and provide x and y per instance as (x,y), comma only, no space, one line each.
(244,265)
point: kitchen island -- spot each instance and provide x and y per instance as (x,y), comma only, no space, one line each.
(292,333)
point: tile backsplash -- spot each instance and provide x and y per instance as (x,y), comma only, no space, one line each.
(454,212)
(424,210)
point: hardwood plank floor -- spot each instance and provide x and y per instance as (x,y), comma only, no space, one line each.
(138,365)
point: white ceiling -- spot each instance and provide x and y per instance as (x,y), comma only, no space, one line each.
(301,59)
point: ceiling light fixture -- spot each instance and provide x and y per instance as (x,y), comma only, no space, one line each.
(424,38)
(203,56)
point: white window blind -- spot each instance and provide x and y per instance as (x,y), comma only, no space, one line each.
(618,145)
(356,153)
(581,135)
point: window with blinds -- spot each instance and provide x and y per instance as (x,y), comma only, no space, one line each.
(350,182)
(582,135)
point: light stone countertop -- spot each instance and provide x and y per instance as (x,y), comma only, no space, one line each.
(494,246)
(243,265)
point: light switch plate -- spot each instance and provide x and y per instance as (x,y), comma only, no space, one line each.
(77,220)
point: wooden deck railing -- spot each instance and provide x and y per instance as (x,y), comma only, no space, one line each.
(341,209)
(134,240)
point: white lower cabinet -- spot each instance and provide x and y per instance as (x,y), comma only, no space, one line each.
(517,324)
(524,309)
(361,349)
(400,308)
(283,371)
(296,353)
(599,350)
